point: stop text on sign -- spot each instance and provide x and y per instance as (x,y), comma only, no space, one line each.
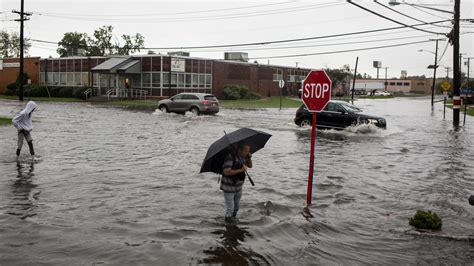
(315,90)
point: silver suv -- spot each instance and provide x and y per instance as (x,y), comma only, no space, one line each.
(197,103)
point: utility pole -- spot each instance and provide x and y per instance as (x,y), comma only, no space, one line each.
(447,72)
(385,78)
(456,69)
(434,73)
(354,81)
(21,77)
(469,92)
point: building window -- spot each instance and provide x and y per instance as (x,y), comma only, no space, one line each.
(77,79)
(156,78)
(406,84)
(70,78)
(392,83)
(195,81)
(181,80)
(50,78)
(277,74)
(166,79)
(420,83)
(399,84)
(55,78)
(96,77)
(188,80)
(85,79)
(202,81)
(62,79)
(42,78)
(208,81)
(174,79)
(385,83)
(146,79)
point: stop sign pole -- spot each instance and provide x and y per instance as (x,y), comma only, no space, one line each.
(316,93)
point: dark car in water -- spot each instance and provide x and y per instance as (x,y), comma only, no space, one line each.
(338,115)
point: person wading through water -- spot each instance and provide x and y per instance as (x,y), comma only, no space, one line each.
(233,178)
(23,122)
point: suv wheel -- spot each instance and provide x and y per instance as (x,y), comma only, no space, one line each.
(163,108)
(305,123)
(194,110)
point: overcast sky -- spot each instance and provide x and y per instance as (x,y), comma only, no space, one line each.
(203,23)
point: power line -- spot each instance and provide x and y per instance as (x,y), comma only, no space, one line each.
(273,42)
(398,12)
(164,14)
(429,13)
(444,51)
(204,18)
(387,18)
(318,45)
(340,51)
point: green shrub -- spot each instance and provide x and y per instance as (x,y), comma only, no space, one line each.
(11,89)
(37,91)
(236,92)
(79,93)
(426,220)
(65,92)
(254,96)
(230,94)
(243,92)
(54,91)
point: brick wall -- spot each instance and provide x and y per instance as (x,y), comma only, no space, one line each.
(9,74)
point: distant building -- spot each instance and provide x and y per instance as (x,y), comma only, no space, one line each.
(158,75)
(408,85)
(10,69)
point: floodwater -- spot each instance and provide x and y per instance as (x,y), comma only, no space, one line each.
(115,186)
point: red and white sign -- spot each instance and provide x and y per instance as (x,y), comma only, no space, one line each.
(316,90)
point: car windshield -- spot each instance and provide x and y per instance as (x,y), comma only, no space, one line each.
(350,108)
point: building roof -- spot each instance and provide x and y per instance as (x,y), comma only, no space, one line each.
(132,67)
(111,65)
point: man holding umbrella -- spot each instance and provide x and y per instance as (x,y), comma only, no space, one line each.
(233,178)
(230,156)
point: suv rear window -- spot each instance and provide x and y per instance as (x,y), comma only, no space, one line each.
(210,98)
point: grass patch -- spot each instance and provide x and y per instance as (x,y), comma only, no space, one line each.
(133,104)
(271,102)
(5,121)
(42,99)
(470,108)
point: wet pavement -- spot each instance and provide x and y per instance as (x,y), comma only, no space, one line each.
(115,186)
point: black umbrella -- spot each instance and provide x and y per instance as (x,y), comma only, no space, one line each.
(228,144)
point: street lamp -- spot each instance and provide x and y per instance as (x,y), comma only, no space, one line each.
(396,3)
(422,50)
(434,67)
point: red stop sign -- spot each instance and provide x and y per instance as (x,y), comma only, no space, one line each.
(316,90)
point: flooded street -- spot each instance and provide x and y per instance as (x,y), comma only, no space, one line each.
(115,186)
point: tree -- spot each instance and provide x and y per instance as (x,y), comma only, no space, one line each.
(363,76)
(10,44)
(132,44)
(72,44)
(99,44)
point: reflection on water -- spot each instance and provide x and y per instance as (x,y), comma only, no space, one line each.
(230,250)
(122,187)
(22,198)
